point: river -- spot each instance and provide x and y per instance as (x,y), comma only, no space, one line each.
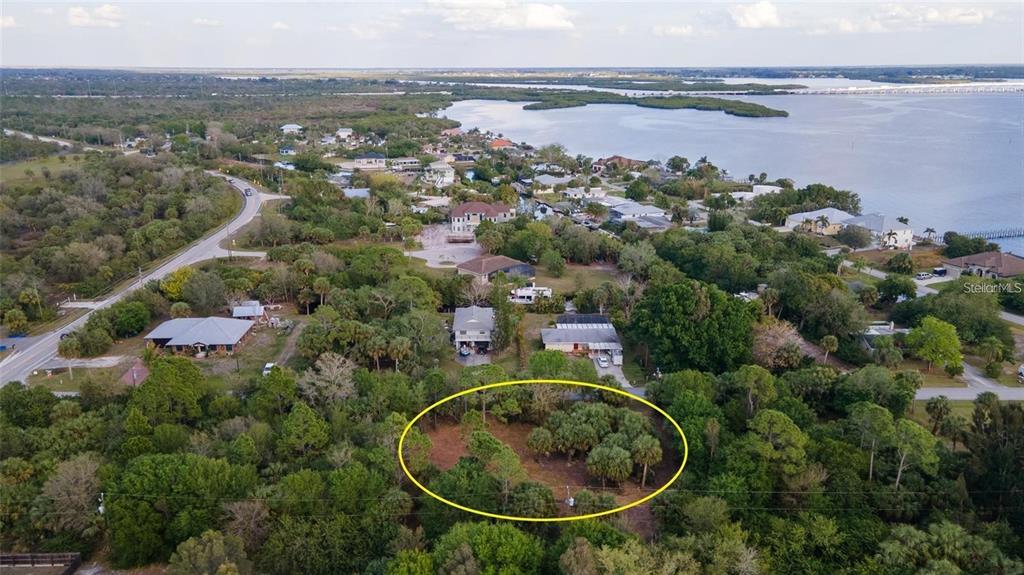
(946,161)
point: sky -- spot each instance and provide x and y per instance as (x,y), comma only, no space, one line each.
(507,33)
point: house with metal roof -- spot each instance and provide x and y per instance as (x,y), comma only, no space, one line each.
(250,309)
(472,327)
(207,334)
(583,334)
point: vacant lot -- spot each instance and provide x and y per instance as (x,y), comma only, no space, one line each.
(555,471)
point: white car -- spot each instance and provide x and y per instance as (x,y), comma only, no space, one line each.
(923,276)
(602,360)
(267,368)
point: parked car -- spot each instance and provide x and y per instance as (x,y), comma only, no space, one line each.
(248,191)
(464,351)
(603,361)
(923,276)
(267,368)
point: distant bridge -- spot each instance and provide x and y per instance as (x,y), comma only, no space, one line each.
(998,234)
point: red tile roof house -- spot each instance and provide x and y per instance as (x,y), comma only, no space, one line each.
(989,264)
(467,216)
(501,143)
(484,268)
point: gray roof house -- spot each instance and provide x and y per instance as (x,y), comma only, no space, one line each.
(583,334)
(201,334)
(472,326)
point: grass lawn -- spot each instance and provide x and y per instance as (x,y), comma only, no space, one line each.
(233,371)
(851,275)
(935,378)
(961,407)
(62,380)
(1008,377)
(14,173)
(575,276)
(925,258)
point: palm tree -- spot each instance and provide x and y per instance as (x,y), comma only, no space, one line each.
(829,344)
(822,222)
(808,224)
(930,233)
(991,349)
(321,286)
(903,220)
(890,239)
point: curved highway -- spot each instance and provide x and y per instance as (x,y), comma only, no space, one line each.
(39,350)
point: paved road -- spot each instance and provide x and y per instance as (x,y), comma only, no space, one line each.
(19,365)
(977,383)
(58,141)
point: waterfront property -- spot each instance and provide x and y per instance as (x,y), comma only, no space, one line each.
(826,221)
(439,174)
(887,231)
(201,335)
(993,265)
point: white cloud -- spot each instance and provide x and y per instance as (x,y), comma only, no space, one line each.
(899,18)
(502,15)
(45,11)
(103,16)
(680,30)
(762,14)
(8,22)
(279,25)
(207,22)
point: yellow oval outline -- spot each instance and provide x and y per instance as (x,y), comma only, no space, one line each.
(408,427)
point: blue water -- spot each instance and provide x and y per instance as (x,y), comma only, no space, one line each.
(951,161)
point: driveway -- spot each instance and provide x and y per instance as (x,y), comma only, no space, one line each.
(473,359)
(438,253)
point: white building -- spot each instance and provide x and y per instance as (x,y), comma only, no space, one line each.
(405,163)
(584,334)
(343,133)
(371,161)
(584,193)
(888,231)
(826,221)
(440,174)
(467,216)
(291,129)
(758,190)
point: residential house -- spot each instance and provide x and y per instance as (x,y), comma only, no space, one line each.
(643,215)
(546,183)
(617,163)
(584,334)
(286,151)
(584,193)
(888,231)
(757,190)
(405,163)
(826,221)
(370,161)
(251,309)
(328,140)
(291,129)
(467,216)
(284,165)
(501,144)
(485,267)
(472,327)
(879,329)
(342,134)
(200,335)
(993,265)
(466,158)
(439,174)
